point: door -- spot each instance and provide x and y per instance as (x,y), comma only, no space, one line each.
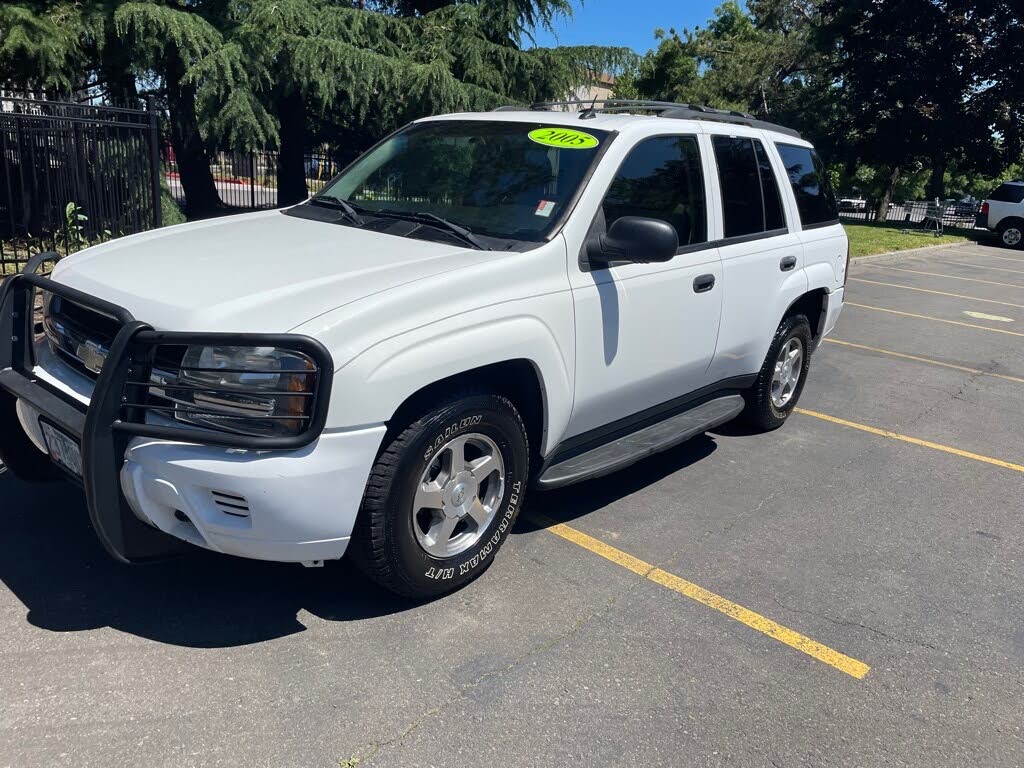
(823,238)
(645,333)
(762,257)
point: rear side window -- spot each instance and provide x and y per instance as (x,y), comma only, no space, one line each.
(1008,193)
(661,179)
(814,196)
(750,193)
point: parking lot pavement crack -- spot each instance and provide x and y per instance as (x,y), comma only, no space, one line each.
(372,750)
(857,625)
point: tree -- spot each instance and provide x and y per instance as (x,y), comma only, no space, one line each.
(762,60)
(929,82)
(338,73)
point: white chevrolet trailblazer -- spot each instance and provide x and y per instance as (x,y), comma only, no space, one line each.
(480,304)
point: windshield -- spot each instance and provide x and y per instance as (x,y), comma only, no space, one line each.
(500,179)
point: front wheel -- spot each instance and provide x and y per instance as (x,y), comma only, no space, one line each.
(442,496)
(781,379)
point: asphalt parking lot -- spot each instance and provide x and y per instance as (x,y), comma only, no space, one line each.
(848,591)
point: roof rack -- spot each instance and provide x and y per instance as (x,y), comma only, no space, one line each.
(669,109)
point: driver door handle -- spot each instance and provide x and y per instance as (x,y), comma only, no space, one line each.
(787,263)
(703,284)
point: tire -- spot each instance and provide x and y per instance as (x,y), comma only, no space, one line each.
(764,411)
(1011,233)
(400,540)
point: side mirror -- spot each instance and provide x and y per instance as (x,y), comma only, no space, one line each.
(634,239)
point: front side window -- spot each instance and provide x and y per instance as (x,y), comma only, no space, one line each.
(814,196)
(661,179)
(499,179)
(750,194)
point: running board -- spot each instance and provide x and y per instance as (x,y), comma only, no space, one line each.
(642,443)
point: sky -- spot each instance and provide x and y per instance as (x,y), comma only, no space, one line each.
(629,23)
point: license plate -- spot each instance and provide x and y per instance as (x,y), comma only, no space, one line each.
(64,449)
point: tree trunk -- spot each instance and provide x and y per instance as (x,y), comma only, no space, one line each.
(201,198)
(117,75)
(882,214)
(937,182)
(291,171)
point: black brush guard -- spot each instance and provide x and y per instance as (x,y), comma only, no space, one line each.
(117,407)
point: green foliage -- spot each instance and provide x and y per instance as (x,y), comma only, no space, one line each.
(40,44)
(170,211)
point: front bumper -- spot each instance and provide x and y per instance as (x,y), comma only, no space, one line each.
(149,486)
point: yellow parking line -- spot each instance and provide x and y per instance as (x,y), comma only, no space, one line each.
(766,626)
(948,277)
(925,360)
(980,266)
(936,319)
(940,293)
(912,440)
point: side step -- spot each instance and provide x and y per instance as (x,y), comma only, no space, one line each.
(644,442)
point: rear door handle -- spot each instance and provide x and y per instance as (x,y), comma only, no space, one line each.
(787,263)
(703,284)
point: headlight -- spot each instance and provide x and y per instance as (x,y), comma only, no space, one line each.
(262,391)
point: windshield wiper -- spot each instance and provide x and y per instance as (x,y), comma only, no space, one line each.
(342,205)
(436,221)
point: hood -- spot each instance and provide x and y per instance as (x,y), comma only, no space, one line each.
(263,272)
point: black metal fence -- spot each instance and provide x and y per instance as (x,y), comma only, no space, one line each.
(911,212)
(248,180)
(74,174)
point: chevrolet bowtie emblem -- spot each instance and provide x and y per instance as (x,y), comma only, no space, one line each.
(92,355)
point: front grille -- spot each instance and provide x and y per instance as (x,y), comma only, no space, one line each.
(81,337)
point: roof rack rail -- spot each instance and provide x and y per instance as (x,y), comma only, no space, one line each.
(669,109)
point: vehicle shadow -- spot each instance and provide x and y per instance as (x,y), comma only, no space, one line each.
(575,501)
(52,562)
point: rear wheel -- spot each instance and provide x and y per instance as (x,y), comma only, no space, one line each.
(1011,234)
(442,496)
(781,379)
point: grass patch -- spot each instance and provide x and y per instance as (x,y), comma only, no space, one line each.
(870,238)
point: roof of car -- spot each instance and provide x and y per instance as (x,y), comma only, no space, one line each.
(619,114)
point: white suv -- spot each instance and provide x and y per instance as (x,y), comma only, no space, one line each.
(1003,213)
(481,303)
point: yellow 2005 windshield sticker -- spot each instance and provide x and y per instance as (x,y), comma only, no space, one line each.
(563,138)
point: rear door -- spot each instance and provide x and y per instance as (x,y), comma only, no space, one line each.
(821,235)
(762,256)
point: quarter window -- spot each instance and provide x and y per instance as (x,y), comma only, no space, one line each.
(750,193)
(814,196)
(661,179)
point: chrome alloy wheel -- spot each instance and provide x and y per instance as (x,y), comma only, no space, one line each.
(1012,236)
(458,495)
(788,367)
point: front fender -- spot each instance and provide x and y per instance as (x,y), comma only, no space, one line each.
(370,388)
